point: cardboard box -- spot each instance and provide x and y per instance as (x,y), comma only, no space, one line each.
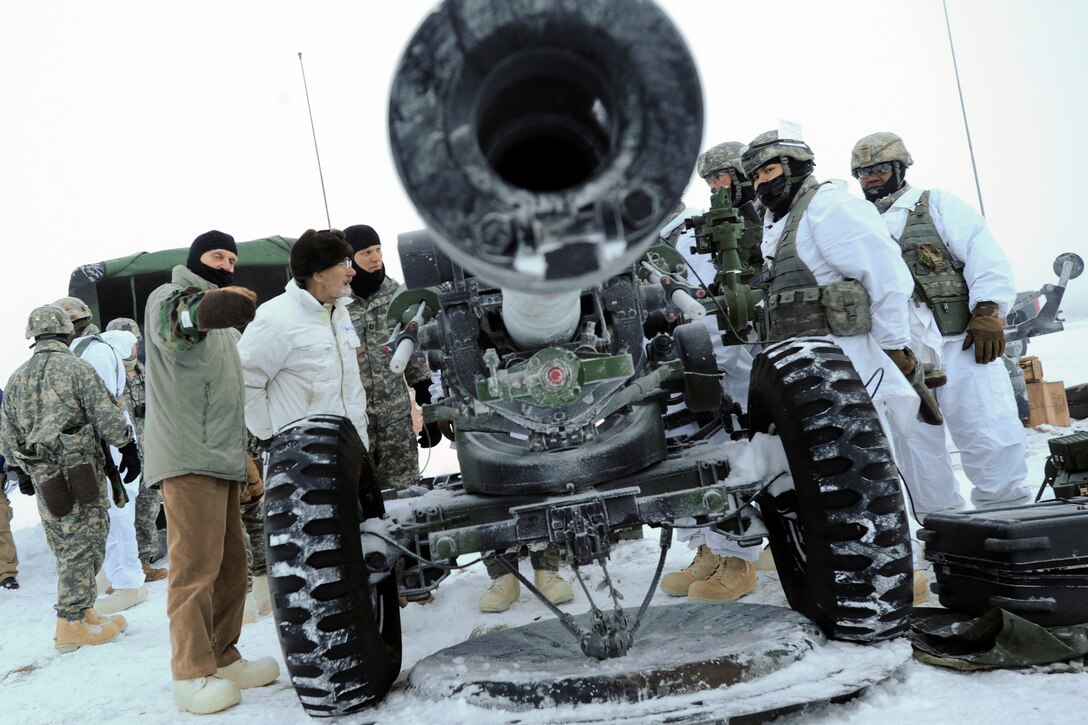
(1033,369)
(1048,404)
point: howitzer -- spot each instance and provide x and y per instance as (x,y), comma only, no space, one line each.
(544,144)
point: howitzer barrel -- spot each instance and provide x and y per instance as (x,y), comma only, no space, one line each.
(545,142)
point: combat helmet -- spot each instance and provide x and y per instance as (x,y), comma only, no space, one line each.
(723,156)
(767,146)
(76,308)
(48,320)
(125,323)
(878,148)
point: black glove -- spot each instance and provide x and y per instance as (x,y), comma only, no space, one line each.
(25,484)
(430,435)
(423,393)
(130,461)
(139,410)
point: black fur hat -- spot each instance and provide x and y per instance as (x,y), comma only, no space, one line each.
(315,251)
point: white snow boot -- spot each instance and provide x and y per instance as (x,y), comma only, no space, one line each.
(503,592)
(731,580)
(205,695)
(261,595)
(554,587)
(102,582)
(120,600)
(245,674)
(677,583)
(921,588)
(249,614)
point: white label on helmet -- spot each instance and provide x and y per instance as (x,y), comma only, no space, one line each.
(789,129)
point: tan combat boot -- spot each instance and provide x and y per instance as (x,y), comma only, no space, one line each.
(921,588)
(94,617)
(731,580)
(204,695)
(71,635)
(152,574)
(677,583)
(554,587)
(503,592)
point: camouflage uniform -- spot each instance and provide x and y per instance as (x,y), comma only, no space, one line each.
(149,500)
(253,519)
(54,404)
(393,444)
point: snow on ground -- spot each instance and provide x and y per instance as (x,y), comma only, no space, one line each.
(129,680)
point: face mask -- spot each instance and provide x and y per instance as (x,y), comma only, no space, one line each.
(364,284)
(879,192)
(775,195)
(218,277)
(130,364)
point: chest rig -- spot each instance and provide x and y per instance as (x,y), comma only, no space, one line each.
(938,276)
(796,306)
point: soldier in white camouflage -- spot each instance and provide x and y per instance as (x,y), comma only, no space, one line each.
(149,500)
(55,415)
(393,444)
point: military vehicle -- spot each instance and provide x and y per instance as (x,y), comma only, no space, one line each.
(544,144)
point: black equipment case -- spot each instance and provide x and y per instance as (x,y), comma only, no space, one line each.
(1029,560)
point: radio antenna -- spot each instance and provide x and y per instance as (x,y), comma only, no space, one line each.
(313,130)
(963,108)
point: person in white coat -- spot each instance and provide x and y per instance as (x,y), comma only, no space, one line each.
(122,574)
(964,287)
(721,569)
(299,353)
(816,235)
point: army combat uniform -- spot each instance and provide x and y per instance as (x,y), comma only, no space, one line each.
(393,443)
(56,409)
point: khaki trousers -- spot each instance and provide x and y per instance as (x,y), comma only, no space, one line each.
(207,585)
(9,560)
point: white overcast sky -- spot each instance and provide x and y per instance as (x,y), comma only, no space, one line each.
(132,126)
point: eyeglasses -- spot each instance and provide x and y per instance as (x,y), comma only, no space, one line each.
(345,263)
(868,171)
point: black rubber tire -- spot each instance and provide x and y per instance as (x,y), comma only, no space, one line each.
(839,536)
(340,634)
(702,382)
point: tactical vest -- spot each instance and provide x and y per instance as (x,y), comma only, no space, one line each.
(796,306)
(938,276)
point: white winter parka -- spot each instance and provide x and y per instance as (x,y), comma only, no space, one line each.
(843,237)
(299,359)
(986,269)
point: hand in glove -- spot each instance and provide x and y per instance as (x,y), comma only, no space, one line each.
(986,332)
(908,364)
(228,307)
(25,484)
(129,467)
(431,433)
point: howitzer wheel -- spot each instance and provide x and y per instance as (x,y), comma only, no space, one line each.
(340,633)
(839,533)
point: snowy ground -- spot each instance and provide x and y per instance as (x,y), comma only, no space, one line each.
(129,680)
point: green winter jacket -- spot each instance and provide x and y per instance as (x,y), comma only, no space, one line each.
(195,420)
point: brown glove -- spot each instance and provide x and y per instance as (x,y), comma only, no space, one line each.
(254,487)
(986,331)
(227,307)
(929,411)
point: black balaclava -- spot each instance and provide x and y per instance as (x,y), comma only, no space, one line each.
(892,185)
(206,242)
(778,193)
(360,237)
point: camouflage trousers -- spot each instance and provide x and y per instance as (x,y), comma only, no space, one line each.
(394,449)
(9,557)
(148,503)
(545,560)
(78,540)
(253,527)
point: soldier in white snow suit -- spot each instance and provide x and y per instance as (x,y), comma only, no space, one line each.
(963,288)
